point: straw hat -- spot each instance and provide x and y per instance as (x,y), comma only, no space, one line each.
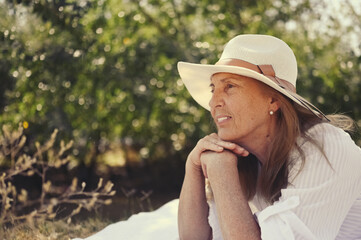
(261,57)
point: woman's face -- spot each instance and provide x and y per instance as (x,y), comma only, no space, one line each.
(240,108)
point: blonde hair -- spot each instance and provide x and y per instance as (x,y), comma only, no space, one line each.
(293,121)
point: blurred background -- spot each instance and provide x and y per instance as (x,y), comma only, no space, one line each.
(103,72)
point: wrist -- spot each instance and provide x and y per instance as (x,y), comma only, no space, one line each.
(190,166)
(221,168)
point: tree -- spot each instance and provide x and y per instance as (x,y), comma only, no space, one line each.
(104,71)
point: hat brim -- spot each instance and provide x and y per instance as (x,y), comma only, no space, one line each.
(196,78)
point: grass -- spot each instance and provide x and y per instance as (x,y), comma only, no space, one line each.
(57,230)
(32,202)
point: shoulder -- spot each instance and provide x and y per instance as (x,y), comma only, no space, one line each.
(329,140)
(327,150)
(327,130)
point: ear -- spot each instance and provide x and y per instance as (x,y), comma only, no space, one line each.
(274,104)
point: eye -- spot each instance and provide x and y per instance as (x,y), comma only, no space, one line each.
(212,88)
(229,85)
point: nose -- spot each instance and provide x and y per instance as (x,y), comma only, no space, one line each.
(216,99)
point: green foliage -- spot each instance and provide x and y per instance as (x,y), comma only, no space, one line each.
(104,71)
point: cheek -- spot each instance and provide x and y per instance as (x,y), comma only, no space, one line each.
(251,111)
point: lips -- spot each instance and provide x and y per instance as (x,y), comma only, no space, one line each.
(221,119)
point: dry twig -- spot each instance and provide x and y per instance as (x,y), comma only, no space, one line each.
(15,203)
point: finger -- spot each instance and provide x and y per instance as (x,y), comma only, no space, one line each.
(240,151)
(228,145)
(206,144)
(213,138)
(209,146)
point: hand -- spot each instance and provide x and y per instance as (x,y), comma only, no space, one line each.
(218,161)
(213,143)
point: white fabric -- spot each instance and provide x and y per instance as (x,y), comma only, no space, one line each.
(323,201)
(213,220)
(160,224)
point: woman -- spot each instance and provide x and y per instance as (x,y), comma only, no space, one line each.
(273,149)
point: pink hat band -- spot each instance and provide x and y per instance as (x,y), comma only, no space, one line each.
(265,69)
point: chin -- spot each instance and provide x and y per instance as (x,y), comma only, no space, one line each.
(226,136)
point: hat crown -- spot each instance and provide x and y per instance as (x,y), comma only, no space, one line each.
(264,49)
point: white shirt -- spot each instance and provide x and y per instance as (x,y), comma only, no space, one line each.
(322,201)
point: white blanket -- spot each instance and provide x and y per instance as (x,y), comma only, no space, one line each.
(160,224)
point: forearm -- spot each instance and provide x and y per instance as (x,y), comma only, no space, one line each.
(235,216)
(193,208)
